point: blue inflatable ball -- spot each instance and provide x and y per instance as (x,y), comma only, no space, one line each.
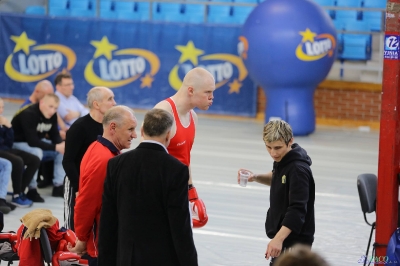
(288,47)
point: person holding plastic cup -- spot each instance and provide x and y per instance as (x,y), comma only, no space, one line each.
(290,218)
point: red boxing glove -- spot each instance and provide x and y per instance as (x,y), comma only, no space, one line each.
(70,237)
(67,259)
(198,209)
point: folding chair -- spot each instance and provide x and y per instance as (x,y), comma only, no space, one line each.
(367,186)
(9,237)
(45,246)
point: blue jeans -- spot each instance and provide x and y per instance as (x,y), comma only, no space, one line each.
(5,174)
(58,173)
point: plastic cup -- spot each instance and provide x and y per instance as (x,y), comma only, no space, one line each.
(243,177)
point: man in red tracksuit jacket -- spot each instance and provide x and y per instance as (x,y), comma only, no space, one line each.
(119,124)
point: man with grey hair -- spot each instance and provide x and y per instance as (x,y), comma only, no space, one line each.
(81,134)
(290,218)
(119,128)
(145,197)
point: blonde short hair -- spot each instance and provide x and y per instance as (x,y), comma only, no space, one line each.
(277,130)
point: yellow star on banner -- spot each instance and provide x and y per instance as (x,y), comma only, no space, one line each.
(103,47)
(308,35)
(22,43)
(189,52)
(234,87)
(146,81)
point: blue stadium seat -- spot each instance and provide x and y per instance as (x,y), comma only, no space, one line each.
(344,16)
(106,5)
(374,18)
(194,13)
(339,25)
(35,10)
(93,4)
(240,13)
(171,12)
(356,26)
(83,13)
(79,4)
(356,46)
(142,10)
(219,14)
(127,14)
(349,3)
(124,6)
(58,12)
(58,3)
(375,3)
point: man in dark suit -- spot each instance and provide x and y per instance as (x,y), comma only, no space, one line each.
(145,217)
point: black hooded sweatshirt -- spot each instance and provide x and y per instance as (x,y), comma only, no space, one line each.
(292,198)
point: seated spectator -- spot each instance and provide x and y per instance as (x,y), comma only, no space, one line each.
(70,107)
(41,89)
(46,167)
(300,255)
(20,176)
(36,132)
(5,172)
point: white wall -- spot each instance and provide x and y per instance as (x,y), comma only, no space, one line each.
(18,6)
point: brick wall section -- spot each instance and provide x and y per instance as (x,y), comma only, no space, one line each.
(347,104)
(342,103)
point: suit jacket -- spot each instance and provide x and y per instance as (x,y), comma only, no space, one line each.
(145,217)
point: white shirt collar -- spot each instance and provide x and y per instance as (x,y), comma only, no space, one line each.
(155,142)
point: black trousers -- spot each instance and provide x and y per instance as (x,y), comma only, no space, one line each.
(21,176)
(46,170)
(398,215)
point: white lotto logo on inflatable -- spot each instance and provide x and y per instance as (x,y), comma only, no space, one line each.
(314,47)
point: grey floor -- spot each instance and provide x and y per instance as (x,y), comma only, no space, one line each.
(235,232)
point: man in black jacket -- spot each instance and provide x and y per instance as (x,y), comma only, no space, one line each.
(290,218)
(80,135)
(145,217)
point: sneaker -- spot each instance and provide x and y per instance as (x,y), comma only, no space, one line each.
(12,206)
(4,207)
(58,191)
(21,202)
(34,196)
